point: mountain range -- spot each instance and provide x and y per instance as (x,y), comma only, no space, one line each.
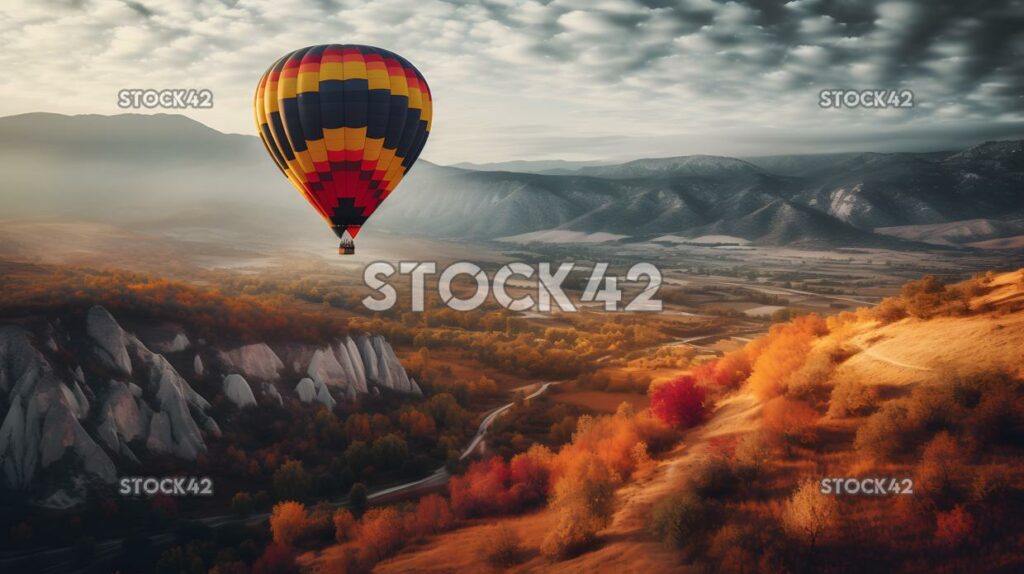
(170,172)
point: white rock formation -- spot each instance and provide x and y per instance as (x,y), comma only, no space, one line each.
(306,389)
(272,393)
(109,338)
(324,367)
(369,357)
(197,366)
(164,338)
(392,374)
(257,361)
(323,396)
(122,421)
(160,439)
(238,391)
(174,398)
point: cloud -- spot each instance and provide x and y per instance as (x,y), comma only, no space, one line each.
(557,78)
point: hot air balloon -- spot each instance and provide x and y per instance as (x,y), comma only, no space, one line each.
(344,123)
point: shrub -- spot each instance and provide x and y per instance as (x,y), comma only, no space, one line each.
(790,421)
(686,521)
(811,380)
(433,514)
(532,470)
(954,528)
(358,498)
(287,522)
(881,436)
(679,402)
(783,352)
(502,547)
(890,310)
(850,397)
(942,466)
(241,503)
(344,525)
(381,532)
(276,559)
(712,477)
(584,501)
(809,515)
(482,490)
(752,451)
(291,481)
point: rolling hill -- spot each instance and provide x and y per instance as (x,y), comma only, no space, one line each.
(169,173)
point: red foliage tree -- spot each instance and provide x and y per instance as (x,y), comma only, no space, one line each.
(679,402)
(276,559)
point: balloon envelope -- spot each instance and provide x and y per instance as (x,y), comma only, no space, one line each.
(344,123)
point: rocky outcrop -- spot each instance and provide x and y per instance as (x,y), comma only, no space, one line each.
(99,398)
(323,396)
(164,338)
(257,361)
(175,397)
(109,340)
(306,390)
(369,357)
(392,374)
(272,394)
(312,390)
(122,421)
(325,368)
(237,390)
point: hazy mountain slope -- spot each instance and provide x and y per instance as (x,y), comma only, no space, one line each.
(169,174)
(956,232)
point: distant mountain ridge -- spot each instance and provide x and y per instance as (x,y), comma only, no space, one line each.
(170,171)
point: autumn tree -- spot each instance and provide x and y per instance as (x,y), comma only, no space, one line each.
(344,525)
(288,522)
(679,402)
(381,532)
(291,482)
(808,516)
(432,514)
(584,501)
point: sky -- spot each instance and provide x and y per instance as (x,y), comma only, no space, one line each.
(562,79)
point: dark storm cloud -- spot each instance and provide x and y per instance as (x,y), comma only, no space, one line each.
(561,78)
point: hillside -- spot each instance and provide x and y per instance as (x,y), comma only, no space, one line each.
(950,356)
(169,174)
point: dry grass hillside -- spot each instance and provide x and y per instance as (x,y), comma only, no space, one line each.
(926,387)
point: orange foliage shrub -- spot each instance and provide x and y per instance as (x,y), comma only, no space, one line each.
(381,532)
(433,514)
(953,528)
(531,471)
(789,420)
(584,500)
(344,525)
(287,522)
(729,372)
(484,489)
(783,353)
(276,559)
